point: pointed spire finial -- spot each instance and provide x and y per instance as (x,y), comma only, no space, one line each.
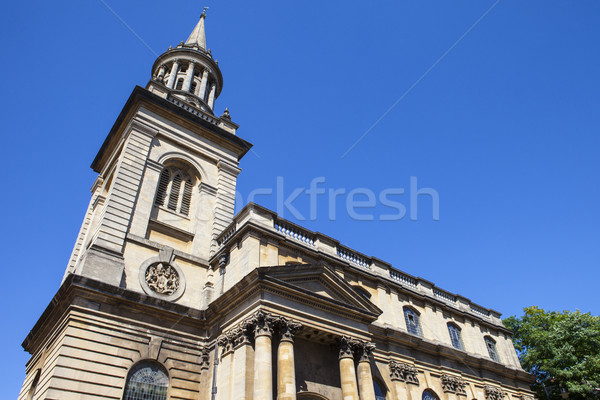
(198,36)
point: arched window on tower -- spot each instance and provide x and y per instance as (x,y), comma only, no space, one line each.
(147,380)
(491,347)
(179,84)
(413,326)
(174,190)
(455,338)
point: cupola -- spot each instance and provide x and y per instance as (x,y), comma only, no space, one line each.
(188,72)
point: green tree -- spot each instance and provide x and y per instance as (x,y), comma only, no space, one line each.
(562,350)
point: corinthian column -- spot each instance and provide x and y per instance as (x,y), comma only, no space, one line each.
(189,77)
(211,95)
(286,373)
(203,83)
(347,372)
(173,74)
(365,378)
(263,366)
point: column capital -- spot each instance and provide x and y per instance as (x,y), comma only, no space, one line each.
(494,393)
(453,384)
(261,322)
(403,372)
(287,328)
(364,350)
(346,346)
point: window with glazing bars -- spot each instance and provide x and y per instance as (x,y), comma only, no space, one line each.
(455,338)
(174,190)
(491,346)
(146,381)
(413,326)
(429,395)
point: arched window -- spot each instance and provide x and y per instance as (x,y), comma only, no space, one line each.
(413,326)
(174,190)
(455,338)
(491,347)
(429,395)
(179,84)
(146,381)
(379,390)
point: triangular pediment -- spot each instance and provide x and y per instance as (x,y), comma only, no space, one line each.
(321,282)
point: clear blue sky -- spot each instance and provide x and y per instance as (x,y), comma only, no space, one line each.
(504,128)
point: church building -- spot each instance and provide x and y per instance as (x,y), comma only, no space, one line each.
(169,295)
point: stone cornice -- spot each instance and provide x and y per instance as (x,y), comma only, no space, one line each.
(248,223)
(139,95)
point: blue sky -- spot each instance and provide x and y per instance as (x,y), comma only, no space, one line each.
(504,128)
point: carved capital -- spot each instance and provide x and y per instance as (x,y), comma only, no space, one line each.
(400,371)
(494,393)
(453,384)
(364,350)
(262,323)
(346,346)
(204,359)
(287,328)
(224,344)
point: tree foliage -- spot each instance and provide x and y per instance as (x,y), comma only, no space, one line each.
(562,350)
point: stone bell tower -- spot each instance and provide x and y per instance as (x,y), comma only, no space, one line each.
(166,175)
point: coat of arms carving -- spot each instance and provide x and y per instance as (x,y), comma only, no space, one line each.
(162,278)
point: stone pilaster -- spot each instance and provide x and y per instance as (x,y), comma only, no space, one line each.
(402,375)
(453,386)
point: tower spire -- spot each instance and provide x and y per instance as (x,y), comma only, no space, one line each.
(198,36)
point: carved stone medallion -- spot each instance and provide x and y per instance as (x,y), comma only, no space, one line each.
(162,278)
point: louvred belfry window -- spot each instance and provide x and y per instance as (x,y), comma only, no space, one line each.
(174,190)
